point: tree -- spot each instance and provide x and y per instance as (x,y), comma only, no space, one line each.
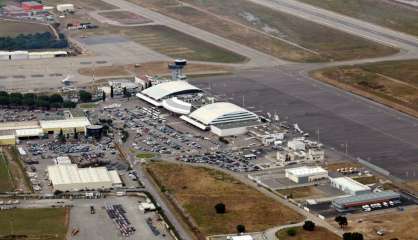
(291,232)
(29,99)
(341,220)
(353,236)
(104,96)
(309,226)
(125,92)
(56,98)
(4,100)
(84,96)
(75,133)
(240,228)
(61,136)
(111,91)
(69,104)
(220,208)
(16,99)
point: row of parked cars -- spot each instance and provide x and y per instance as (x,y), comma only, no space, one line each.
(373,206)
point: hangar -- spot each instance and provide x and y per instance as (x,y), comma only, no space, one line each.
(155,94)
(68,177)
(223,118)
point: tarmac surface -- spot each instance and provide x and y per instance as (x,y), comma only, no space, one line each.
(343,121)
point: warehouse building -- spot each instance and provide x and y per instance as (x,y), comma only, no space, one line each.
(68,126)
(306,174)
(222,118)
(156,94)
(347,204)
(68,177)
(349,186)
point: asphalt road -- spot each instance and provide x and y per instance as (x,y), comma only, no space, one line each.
(345,122)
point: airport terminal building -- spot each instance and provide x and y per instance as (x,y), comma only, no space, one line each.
(179,97)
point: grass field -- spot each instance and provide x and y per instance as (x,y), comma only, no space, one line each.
(152,69)
(264,29)
(12,29)
(318,234)
(391,83)
(6,182)
(302,192)
(382,12)
(145,155)
(199,189)
(125,17)
(87,105)
(43,223)
(400,225)
(172,43)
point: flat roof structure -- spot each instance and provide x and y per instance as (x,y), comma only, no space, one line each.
(222,113)
(18,125)
(78,122)
(29,132)
(68,177)
(349,185)
(171,88)
(306,171)
(363,199)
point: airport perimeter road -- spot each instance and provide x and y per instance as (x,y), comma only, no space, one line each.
(344,23)
(257,58)
(345,122)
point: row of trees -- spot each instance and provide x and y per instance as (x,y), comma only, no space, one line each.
(31,100)
(33,41)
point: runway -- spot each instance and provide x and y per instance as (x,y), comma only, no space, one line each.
(345,122)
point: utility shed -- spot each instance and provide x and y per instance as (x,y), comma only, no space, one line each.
(306,174)
(68,177)
(349,186)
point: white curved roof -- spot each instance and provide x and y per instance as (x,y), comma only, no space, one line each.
(222,112)
(162,90)
(177,106)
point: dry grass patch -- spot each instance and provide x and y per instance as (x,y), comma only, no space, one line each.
(387,13)
(14,28)
(125,17)
(276,33)
(391,83)
(199,189)
(318,234)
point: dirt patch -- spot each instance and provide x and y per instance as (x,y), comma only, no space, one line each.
(401,225)
(199,189)
(20,180)
(318,234)
(302,192)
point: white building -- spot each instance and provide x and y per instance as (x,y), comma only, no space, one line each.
(62,160)
(306,174)
(315,154)
(349,186)
(222,118)
(296,145)
(65,7)
(241,237)
(157,93)
(68,177)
